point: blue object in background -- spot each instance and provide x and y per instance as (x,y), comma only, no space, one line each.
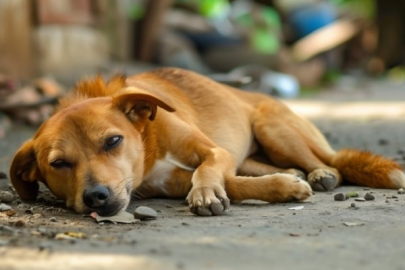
(307,19)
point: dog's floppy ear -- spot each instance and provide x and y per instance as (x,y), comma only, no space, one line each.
(140,104)
(24,172)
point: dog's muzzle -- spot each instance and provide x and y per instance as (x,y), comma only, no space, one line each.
(100,199)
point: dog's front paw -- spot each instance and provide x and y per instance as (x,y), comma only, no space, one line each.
(208,201)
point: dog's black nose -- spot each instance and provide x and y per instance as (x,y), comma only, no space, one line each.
(96,196)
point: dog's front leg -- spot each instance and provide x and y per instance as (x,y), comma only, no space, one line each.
(207,196)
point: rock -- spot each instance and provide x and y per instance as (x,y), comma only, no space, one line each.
(401,191)
(143,212)
(6,196)
(360,200)
(19,223)
(3,175)
(369,197)
(340,197)
(394,197)
(4,207)
(45,246)
(383,142)
(6,230)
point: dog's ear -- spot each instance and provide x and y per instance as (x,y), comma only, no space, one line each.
(24,172)
(140,105)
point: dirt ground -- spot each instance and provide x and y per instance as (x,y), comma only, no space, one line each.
(253,235)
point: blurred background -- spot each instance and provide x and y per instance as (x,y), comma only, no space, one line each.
(286,48)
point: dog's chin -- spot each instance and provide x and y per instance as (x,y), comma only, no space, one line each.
(109,210)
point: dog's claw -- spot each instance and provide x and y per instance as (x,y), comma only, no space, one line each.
(214,205)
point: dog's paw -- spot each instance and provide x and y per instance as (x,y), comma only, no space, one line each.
(323,180)
(295,189)
(208,201)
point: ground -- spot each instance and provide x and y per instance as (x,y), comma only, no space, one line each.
(252,235)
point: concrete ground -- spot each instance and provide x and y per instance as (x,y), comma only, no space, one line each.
(253,235)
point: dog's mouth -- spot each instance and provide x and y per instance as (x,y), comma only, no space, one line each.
(107,210)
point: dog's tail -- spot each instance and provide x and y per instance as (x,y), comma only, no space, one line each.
(366,169)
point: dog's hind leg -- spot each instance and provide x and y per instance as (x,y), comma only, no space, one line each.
(290,141)
(252,167)
(274,188)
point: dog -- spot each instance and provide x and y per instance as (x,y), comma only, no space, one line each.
(177,134)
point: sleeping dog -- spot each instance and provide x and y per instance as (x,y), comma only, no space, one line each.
(176,134)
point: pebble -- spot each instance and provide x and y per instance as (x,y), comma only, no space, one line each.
(52,219)
(19,223)
(340,197)
(353,205)
(369,197)
(6,230)
(383,142)
(45,246)
(394,197)
(401,191)
(360,200)
(3,175)
(6,196)
(4,207)
(143,212)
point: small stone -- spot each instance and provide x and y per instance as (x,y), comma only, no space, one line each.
(19,223)
(4,207)
(3,175)
(383,141)
(394,197)
(28,211)
(369,197)
(143,212)
(387,201)
(340,197)
(6,196)
(353,205)
(366,188)
(360,200)
(45,246)
(52,219)
(37,215)
(401,191)
(6,230)
(352,194)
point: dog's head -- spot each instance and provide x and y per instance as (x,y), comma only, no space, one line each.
(90,153)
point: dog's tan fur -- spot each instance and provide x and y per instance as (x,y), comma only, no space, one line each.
(185,135)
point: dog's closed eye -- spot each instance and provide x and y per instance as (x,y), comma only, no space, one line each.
(61,164)
(112,142)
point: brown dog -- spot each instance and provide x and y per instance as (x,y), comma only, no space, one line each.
(173,133)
